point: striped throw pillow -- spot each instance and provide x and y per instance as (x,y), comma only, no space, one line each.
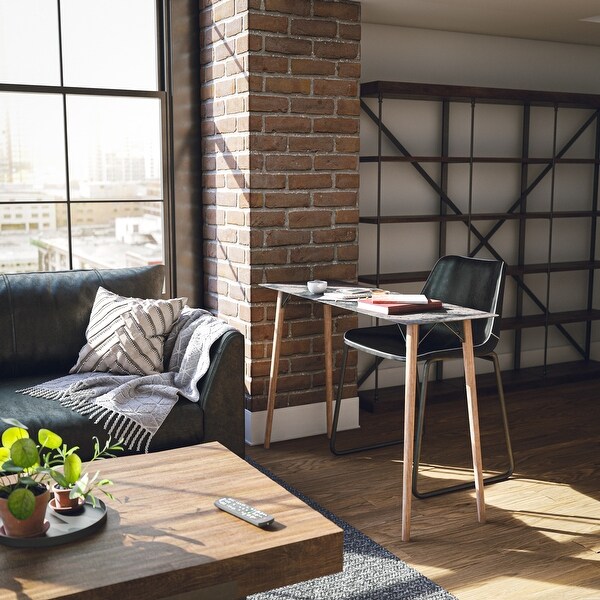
(125,336)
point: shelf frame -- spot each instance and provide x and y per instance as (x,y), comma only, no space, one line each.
(517,211)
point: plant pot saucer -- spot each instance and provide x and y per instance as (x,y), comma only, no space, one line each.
(45,528)
(68,510)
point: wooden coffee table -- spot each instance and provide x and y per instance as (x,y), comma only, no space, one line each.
(166,539)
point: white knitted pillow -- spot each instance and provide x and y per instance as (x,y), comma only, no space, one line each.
(125,336)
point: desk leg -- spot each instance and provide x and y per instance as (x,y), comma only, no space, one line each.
(276,351)
(410,387)
(327,338)
(469,362)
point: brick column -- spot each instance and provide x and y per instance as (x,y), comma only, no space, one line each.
(281,141)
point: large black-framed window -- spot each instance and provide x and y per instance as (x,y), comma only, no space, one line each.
(84,135)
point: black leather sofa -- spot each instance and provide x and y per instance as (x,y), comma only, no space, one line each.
(43,318)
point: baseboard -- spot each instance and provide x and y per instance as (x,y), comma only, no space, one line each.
(298,421)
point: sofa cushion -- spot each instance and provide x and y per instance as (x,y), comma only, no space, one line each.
(126,335)
(183,427)
(43,316)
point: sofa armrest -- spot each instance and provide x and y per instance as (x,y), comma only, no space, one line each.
(222,393)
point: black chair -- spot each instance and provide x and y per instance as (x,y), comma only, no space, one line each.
(464,281)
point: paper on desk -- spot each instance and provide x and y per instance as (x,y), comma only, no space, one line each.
(346,294)
(394,297)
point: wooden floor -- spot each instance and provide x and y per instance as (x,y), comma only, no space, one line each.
(542,536)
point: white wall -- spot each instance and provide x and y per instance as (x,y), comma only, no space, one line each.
(427,56)
(417,55)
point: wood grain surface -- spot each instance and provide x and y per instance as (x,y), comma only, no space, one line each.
(541,540)
(165,537)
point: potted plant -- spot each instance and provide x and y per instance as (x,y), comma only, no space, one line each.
(26,468)
(72,486)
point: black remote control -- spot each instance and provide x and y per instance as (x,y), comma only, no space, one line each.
(247,513)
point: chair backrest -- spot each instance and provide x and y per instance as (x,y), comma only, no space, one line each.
(475,283)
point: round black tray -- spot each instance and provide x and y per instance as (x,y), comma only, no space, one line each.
(63,528)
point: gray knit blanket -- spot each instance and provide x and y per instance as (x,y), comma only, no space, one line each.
(131,408)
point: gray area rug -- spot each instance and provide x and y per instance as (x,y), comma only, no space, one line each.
(370,571)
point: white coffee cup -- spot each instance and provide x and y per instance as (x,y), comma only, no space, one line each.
(316,286)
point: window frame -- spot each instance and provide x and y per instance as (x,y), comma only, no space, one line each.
(163,94)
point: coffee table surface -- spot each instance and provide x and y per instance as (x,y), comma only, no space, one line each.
(164,537)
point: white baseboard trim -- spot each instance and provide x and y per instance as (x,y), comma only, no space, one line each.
(299,421)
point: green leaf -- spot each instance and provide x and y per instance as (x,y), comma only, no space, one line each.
(72,468)
(10,467)
(59,478)
(49,439)
(4,455)
(21,503)
(24,453)
(13,422)
(12,434)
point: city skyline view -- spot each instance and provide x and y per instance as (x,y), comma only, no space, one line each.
(80,174)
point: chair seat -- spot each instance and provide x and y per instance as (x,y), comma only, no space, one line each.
(387,341)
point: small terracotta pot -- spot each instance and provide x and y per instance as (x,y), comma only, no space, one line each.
(30,527)
(61,498)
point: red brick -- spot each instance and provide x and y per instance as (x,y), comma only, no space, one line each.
(287,85)
(268,142)
(309,181)
(288,162)
(347,180)
(348,106)
(294,7)
(336,125)
(286,45)
(336,162)
(308,254)
(272,23)
(314,28)
(233,27)
(267,218)
(287,274)
(269,256)
(319,143)
(287,200)
(349,70)
(335,87)
(331,236)
(341,271)
(346,50)
(309,219)
(285,237)
(314,106)
(346,216)
(347,144)
(335,199)
(268,103)
(347,252)
(287,124)
(224,10)
(267,64)
(264,181)
(311,66)
(349,31)
(339,10)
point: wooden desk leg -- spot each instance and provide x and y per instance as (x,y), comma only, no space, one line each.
(276,351)
(410,388)
(327,337)
(469,362)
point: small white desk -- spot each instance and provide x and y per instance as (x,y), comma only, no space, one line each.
(450,313)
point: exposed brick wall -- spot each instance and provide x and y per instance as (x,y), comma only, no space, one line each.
(281,141)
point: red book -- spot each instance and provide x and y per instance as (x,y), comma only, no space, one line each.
(398,308)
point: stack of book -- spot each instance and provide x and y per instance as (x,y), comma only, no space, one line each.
(399,304)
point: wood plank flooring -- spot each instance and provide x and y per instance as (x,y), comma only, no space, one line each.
(542,536)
